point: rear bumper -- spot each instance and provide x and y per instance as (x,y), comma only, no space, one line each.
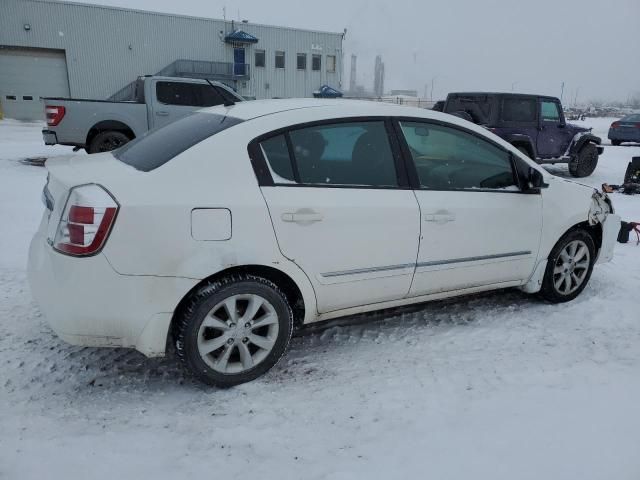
(625,135)
(49,137)
(88,303)
(610,229)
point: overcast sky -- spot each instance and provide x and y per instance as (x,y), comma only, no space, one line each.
(530,46)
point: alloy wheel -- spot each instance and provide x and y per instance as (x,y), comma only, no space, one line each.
(571,267)
(238,333)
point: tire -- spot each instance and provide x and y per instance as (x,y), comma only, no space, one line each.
(235,358)
(107,141)
(585,162)
(615,143)
(554,289)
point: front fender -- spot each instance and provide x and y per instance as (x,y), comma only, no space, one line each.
(581,139)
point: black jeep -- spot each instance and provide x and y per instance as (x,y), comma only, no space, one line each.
(534,124)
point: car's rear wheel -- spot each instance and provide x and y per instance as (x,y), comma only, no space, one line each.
(108,141)
(234,330)
(584,163)
(569,267)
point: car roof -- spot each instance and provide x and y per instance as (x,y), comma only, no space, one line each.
(340,108)
(494,94)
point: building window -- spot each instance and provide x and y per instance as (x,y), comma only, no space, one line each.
(259,58)
(302,61)
(279,59)
(316,62)
(331,63)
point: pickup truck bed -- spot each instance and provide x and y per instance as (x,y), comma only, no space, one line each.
(103,125)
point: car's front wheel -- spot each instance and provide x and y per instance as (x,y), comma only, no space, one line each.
(569,267)
(234,330)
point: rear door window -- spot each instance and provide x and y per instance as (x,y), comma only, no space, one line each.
(357,153)
(191,94)
(478,107)
(157,147)
(519,110)
(349,154)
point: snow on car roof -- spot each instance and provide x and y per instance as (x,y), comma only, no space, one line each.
(258,108)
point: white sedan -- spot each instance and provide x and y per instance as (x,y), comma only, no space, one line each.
(225,230)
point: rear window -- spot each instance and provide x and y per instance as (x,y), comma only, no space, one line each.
(631,118)
(477,106)
(157,147)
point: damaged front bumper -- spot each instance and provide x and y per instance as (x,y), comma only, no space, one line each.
(601,212)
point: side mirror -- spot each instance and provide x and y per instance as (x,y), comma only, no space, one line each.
(535,180)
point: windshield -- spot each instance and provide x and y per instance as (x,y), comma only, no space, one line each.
(157,147)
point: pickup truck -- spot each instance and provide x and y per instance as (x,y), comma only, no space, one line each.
(104,125)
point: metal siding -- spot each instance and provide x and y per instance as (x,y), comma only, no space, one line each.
(106,48)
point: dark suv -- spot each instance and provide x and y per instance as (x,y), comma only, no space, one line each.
(534,124)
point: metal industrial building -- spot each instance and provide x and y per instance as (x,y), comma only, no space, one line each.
(51,48)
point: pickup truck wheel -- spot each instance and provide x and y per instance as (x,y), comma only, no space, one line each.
(107,141)
(584,163)
(569,267)
(234,330)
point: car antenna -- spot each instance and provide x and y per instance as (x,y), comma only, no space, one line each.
(227,103)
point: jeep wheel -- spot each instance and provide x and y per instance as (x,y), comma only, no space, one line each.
(584,163)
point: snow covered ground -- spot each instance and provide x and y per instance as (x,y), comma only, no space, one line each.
(496,386)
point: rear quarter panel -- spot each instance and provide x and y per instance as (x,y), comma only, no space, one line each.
(82,115)
(153,231)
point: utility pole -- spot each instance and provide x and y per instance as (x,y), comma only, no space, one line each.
(433,80)
(561,91)
(575,99)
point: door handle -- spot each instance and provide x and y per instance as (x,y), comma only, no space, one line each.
(440,218)
(303,216)
(162,114)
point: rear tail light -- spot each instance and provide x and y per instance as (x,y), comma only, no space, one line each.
(615,124)
(86,222)
(54,114)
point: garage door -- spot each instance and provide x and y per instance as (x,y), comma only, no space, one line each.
(28,74)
